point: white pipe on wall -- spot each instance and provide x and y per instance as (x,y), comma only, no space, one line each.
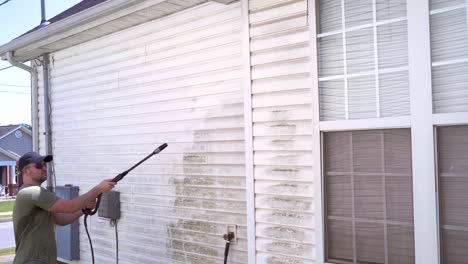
(34,123)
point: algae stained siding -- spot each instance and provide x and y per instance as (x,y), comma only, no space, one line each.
(114,99)
(179,80)
(282,131)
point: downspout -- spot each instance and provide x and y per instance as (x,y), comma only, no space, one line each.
(34,83)
(47,109)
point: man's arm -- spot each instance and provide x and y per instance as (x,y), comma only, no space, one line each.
(66,219)
(80,202)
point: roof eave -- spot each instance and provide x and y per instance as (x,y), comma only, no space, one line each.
(48,32)
(68,30)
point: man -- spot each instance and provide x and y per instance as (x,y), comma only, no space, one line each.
(37,210)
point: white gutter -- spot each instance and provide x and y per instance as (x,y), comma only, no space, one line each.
(34,88)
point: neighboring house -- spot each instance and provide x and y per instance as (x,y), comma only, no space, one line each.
(15,140)
(326,131)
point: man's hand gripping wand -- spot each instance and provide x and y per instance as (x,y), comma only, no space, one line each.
(117,178)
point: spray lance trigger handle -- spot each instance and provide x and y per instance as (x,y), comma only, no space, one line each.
(88,211)
(120,176)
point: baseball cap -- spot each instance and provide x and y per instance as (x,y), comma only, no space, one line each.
(31,157)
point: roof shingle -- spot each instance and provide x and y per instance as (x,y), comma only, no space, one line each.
(5,129)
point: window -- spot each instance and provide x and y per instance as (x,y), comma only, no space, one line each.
(449,48)
(18,134)
(449,53)
(370,73)
(453,195)
(368,194)
(367,174)
(363,59)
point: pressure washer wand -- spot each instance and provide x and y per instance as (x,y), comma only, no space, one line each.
(119,177)
(156,151)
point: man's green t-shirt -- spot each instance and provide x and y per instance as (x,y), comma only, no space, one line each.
(34,226)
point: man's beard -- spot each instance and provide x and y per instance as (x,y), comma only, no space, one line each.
(42,178)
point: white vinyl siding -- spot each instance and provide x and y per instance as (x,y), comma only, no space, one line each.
(282,142)
(115,99)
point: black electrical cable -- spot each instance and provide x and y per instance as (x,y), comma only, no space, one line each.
(13,92)
(13,85)
(6,68)
(89,237)
(116,244)
(4,2)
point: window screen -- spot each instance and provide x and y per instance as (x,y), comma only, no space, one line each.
(368,197)
(453,192)
(449,50)
(363,59)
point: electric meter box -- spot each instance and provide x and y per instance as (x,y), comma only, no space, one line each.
(67,237)
(110,205)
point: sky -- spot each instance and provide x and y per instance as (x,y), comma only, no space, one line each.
(17,17)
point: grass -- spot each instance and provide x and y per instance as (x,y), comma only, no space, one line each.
(6,216)
(6,206)
(7,251)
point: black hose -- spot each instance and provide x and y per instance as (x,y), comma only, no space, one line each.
(88,212)
(228,237)
(226,251)
(89,238)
